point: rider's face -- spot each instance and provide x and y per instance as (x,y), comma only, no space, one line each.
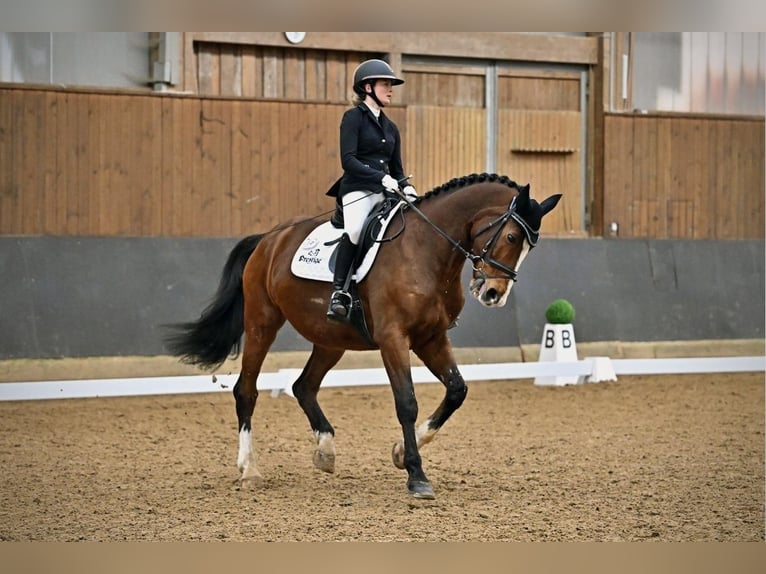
(384,90)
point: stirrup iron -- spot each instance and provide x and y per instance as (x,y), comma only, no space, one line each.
(340,306)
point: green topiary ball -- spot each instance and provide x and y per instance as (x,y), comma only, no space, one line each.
(560,312)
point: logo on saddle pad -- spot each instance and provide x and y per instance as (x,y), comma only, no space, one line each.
(312,258)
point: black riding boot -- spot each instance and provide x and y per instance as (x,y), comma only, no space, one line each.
(340,302)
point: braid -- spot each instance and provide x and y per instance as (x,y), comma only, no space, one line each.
(460,182)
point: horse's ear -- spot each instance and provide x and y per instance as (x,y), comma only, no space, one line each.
(522,199)
(549,203)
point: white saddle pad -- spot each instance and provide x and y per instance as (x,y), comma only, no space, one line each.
(312,258)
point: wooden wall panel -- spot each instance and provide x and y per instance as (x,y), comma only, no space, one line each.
(647,212)
(231,70)
(93,137)
(681,220)
(9,208)
(63,155)
(73,150)
(271,72)
(77,163)
(443,143)
(208,75)
(31,142)
(699,177)
(542,131)
(49,208)
(187,163)
(294,161)
(448,88)
(753,175)
(445,122)
(542,148)
(111,164)
(539,92)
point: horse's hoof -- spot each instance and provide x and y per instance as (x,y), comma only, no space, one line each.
(324,461)
(421,489)
(249,482)
(397,455)
(250,474)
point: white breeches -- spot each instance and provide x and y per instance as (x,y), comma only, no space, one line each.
(356,207)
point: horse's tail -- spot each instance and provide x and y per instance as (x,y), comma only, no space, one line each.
(209,340)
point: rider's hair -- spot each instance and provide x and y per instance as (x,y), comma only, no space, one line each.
(358,98)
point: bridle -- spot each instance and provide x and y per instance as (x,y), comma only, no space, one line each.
(481,260)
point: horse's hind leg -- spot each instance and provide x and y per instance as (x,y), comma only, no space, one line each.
(258,339)
(305,390)
(436,354)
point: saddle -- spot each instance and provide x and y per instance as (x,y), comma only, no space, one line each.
(315,257)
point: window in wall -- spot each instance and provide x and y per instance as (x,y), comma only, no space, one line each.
(705,72)
(106,59)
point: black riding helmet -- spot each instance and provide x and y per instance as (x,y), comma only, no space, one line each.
(369,71)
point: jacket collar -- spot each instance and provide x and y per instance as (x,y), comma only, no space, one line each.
(366,109)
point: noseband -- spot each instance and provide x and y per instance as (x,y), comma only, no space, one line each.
(482,259)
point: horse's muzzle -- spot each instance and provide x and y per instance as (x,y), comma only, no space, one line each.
(492,293)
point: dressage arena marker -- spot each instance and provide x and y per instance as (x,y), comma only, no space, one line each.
(558,344)
(587,370)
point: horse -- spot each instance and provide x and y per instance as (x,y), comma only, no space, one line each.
(410,298)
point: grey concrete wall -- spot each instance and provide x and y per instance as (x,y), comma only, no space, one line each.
(81,297)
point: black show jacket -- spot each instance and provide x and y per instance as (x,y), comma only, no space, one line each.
(368,150)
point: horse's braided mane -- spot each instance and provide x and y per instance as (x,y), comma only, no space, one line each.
(460,182)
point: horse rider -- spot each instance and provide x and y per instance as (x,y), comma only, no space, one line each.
(370,155)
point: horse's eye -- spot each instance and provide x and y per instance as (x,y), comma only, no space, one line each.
(511,238)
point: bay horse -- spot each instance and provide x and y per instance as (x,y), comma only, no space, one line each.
(410,297)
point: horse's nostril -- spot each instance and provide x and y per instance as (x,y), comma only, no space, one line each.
(491,294)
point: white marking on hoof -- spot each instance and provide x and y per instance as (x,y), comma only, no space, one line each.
(251,473)
(250,477)
(324,462)
(245,449)
(246,459)
(425,434)
(324,455)
(397,455)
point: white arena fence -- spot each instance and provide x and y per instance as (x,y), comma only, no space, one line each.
(280,382)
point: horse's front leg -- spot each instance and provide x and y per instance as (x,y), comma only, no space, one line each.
(396,359)
(437,355)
